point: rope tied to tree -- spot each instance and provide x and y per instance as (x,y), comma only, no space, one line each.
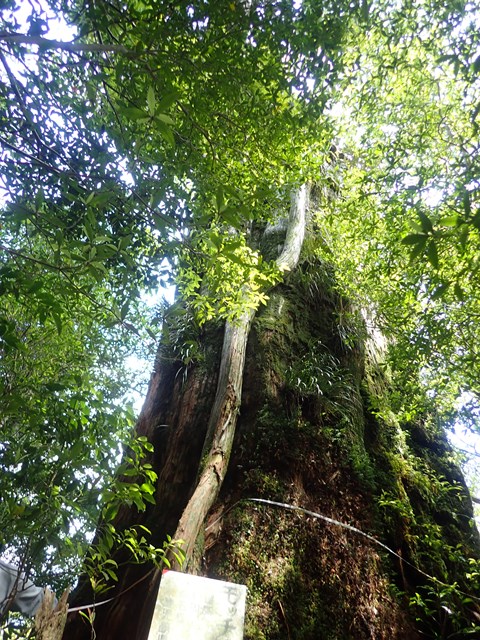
(294,508)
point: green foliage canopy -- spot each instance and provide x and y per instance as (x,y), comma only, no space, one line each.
(410,193)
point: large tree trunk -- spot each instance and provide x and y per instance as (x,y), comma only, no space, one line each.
(308,434)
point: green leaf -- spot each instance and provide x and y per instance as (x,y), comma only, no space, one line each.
(230,216)
(476,65)
(449,221)
(18,212)
(138,501)
(164,118)
(415,226)
(112,574)
(124,310)
(35,286)
(147,488)
(165,131)
(415,238)
(448,57)
(111,511)
(124,242)
(151,100)
(432,254)
(58,322)
(55,386)
(129,471)
(418,250)
(100,198)
(464,234)
(476,220)
(39,199)
(440,290)
(89,231)
(236,259)
(167,100)
(425,221)
(219,198)
(459,292)
(474,115)
(365,10)
(134,113)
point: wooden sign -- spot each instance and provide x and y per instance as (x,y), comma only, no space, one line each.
(195,608)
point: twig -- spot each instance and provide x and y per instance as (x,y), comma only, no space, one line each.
(127,325)
(45,43)
(20,98)
(34,159)
(282,611)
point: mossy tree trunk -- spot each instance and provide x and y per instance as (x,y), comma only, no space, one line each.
(308,433)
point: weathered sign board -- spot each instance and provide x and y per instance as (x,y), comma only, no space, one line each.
(195,608)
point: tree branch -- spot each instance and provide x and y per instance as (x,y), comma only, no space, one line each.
(34,159)
(74,47)
(288,259)
(14,84)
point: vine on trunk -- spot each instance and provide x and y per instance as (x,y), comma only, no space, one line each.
(223,417)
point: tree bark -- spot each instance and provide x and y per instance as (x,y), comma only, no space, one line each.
(285,411)
(185,460)
(223,419)
(50,619)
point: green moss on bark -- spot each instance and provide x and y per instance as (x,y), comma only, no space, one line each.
(316,430)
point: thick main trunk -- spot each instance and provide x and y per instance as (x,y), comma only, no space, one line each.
(223,419)
(305,397)
(220,434)
(185,504)
(308,435)
(174,418)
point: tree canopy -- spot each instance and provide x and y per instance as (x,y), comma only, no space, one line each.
(144,152)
